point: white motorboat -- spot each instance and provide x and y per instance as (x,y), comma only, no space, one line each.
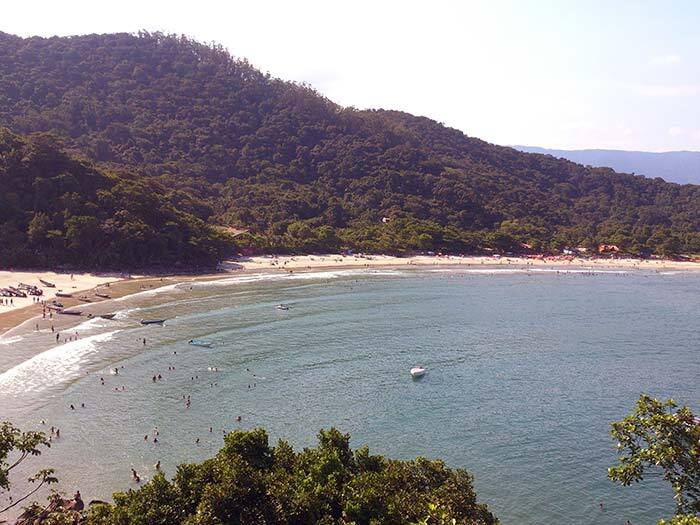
(282,307)
(417,371)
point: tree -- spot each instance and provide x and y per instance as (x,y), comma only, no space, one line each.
(658,435)
(38,228)
(16,447)
(250,482)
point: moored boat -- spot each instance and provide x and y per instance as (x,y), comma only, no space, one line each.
(108,316)
(417,371)
(282,307)
(152,321)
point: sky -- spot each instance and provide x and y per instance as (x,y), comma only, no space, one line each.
(566,74)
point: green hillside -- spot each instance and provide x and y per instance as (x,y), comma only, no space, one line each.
(56,210)
(234,146)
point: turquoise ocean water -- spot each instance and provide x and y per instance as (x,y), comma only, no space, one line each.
(525,371)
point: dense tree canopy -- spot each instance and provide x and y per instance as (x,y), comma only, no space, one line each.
(235,146)
(660,436)
(250,482)
(57,210)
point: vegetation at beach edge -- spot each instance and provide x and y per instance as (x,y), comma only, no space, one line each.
(251,482)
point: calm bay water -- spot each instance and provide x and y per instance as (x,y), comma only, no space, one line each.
(526,370)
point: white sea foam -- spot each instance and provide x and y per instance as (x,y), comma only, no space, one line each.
(480,271)
(52,367)
(301,276)
(581,270)
(510,271)
(90,324)
(10,340)
(151,292)
(124,314)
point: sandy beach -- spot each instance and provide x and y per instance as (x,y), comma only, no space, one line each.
(310,262)
(23,311)
(16,309)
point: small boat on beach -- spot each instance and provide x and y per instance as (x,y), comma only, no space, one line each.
(70,312)
(152,321)
(30,289)
(417,371)
(47,283)
(16,291)
(84,299)
(103,295)
(63,294)
(201,342)
(108,316)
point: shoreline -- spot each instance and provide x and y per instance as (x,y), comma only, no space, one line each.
(118,287)
(25,317)
(333,261)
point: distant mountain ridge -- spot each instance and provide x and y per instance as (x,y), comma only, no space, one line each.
(682,167)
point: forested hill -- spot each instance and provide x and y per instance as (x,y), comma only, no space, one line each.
(237,147)
(57,210)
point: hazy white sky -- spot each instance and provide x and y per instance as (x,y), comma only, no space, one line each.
(560,73)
